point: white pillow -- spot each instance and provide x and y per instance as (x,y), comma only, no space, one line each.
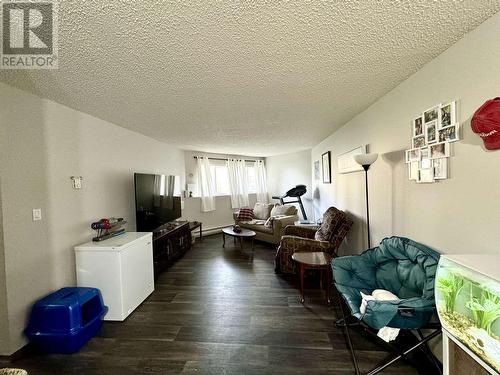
(378,295)
(284,210)
(384,295)
(262,211)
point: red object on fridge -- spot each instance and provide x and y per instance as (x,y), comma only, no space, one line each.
(486,123)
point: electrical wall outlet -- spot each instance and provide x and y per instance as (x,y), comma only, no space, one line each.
(37,214)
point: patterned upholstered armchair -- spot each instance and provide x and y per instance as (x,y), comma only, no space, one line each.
(327,239)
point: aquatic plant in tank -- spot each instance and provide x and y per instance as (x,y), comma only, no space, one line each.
(468,305)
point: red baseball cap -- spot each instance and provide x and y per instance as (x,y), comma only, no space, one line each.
(486,123)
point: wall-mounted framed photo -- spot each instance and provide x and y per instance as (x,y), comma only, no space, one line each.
(439,150)
(431,132)
(425,163)
(417,126)
(326,167)
(424,152)
(425,176)
(413,170)
(346,162)
(447,115)
(317,172)
(449,133)
(419,141)
(412,155)
(431,114)
(440,168)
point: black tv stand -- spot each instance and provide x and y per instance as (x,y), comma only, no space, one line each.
(170,242)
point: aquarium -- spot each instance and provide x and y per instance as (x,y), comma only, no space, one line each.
(468,303)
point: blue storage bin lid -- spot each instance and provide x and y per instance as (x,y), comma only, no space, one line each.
(61,311)
(68,296)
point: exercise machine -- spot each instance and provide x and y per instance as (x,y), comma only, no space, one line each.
(295,192)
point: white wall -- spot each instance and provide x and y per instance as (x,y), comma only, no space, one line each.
(44,144)
(458,215)
(286,171)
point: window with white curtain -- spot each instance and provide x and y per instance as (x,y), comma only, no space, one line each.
(220,178)
(251,179)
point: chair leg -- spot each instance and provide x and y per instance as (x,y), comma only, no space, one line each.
(345,322)
(405,353)
(349,342)
(387,345)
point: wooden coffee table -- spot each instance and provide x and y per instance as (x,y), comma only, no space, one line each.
(245,233)
(315,260)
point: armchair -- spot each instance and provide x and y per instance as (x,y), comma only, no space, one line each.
(327,239)
(403,267)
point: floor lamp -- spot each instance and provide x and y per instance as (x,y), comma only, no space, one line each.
(366,160)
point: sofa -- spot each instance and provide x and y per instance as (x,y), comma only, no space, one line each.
(326,239)
(276,216)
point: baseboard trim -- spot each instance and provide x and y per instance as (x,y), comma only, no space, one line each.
(212,231)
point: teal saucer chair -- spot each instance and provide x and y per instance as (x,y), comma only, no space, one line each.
(405,268)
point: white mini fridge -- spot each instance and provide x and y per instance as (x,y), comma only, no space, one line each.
(121,268)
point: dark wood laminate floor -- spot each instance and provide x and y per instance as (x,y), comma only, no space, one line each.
(221,311)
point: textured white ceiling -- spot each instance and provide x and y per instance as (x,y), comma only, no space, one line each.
(256,78)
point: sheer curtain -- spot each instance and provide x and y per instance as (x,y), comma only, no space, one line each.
(206,187)
(238,182)
(260,181)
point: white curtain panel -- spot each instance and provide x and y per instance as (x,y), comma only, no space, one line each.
(261,181)
(238,182)
(206,187)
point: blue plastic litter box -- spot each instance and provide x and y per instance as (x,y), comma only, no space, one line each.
(63,321)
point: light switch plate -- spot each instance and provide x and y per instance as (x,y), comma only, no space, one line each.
(37,214)
(77,182)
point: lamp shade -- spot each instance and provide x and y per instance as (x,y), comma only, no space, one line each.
(365,159)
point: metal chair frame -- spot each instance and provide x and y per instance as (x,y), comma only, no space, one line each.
(400,354)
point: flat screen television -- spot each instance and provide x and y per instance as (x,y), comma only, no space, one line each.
(157,200)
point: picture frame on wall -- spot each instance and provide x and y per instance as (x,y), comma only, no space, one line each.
(432,135)
(317,171)
(440,168)
(431,132)
(431,114)
(413,155)
(425,176)
(413,170)
(419,141)
(439,150)
(447,114)
(449,134)
(425,163)
(418,126)
(424,152)
(326,167)
(346,162)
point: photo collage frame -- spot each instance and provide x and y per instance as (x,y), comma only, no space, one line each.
(432,134)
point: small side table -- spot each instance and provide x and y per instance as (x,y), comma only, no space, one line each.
(314,260)
(196,224)
(243,233)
